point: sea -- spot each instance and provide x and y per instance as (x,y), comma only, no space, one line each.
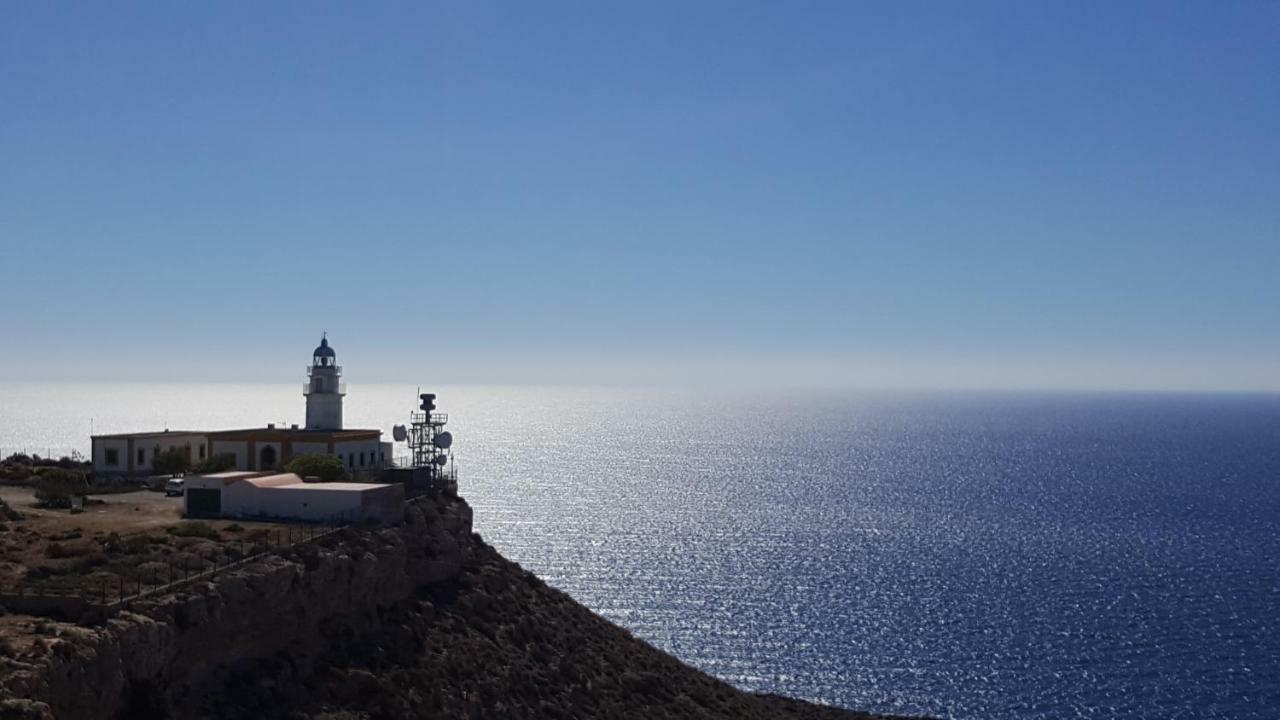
(958,555)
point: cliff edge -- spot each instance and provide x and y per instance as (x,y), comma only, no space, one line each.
(423,620)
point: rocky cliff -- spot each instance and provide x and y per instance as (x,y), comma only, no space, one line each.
(422,620)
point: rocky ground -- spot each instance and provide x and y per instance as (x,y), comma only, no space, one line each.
(494,642)
(118,543)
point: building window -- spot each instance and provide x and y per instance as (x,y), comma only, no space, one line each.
(142,456)
(113,457)
(201,452)
(351,460)
(361,458)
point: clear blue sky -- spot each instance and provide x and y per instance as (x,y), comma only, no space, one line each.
(847,193)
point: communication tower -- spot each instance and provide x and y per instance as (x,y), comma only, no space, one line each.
(431,445)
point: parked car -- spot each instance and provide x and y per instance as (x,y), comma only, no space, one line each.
(175,486)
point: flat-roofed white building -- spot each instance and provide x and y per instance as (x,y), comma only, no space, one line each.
(285,496)
(133,453)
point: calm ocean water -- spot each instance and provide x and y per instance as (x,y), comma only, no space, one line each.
(961,555)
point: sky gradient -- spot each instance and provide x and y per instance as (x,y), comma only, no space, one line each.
(1058,195)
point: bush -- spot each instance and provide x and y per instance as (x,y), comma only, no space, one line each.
(328,468)
(195,529)
(8,513)
(113,485)
(136,544)
(170,462)
(221,462)
(55,487)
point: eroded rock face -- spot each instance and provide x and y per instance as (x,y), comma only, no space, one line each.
(492,642)
(162,657)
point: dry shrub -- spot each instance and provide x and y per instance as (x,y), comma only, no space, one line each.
(58,550)
(194,528)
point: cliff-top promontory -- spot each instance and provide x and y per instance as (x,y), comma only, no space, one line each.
(421,620)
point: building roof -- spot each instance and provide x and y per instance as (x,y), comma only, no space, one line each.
(295,434)
(153,433)
(274,480)
(324,350)
(231,476)
(263,434)
(331,486)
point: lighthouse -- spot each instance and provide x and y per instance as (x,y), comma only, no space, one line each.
(324,389)
(263,447)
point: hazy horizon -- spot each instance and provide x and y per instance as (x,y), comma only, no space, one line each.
(871,195)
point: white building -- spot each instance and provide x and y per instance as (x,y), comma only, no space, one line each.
(263,448)
(249,495)
(132,453)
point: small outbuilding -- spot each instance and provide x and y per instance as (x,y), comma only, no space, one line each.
(285,496)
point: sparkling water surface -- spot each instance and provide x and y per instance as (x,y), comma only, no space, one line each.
(979,555)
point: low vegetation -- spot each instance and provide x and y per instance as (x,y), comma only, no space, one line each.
(19,467)
(56,487)
(171,462)
(222,462)
(194,528)
(109,564)
(328,468)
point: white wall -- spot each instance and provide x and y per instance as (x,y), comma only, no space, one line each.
(241,499)
(239,448)
(315,502)
(310,503)
(100,447)
(310,448)
(370,448)
(324,411)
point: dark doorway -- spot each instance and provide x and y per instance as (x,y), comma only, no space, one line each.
(267,458)
(204,503)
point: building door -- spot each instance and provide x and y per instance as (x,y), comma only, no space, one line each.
(203,502)
(267,458)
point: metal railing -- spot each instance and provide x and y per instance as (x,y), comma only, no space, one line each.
(337,369)
(307,389)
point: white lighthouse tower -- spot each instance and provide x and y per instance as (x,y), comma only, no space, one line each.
(324,390)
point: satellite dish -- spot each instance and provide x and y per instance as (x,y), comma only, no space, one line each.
(444,440)
(398,432)
(442,460)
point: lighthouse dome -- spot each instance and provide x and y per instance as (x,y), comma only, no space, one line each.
(324,350)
